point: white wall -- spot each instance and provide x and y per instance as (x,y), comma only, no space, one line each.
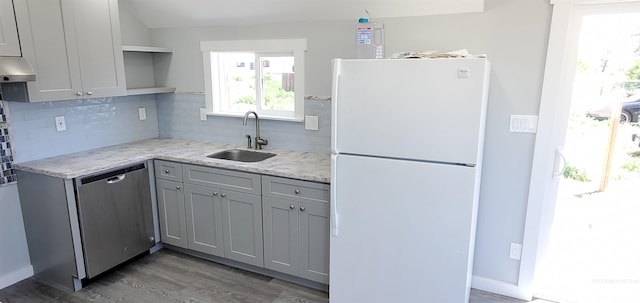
(514,35)
(14,255)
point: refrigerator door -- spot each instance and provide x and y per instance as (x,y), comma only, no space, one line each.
(426,109)
(406,231)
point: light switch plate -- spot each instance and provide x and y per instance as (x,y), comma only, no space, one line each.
(523,124)
(61,125)
(142,113)
(515,251)
(311,122)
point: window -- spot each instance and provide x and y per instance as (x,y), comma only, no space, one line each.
(266,76)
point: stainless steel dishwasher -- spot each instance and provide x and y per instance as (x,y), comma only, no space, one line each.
(115,215)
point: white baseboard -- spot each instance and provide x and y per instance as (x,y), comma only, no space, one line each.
(499,287)
(16,276)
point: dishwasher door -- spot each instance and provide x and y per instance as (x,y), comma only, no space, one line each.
(116,221)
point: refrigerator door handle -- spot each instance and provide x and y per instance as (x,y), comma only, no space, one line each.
(334,203)
(334,101)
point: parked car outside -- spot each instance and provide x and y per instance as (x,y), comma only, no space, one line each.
(629,113)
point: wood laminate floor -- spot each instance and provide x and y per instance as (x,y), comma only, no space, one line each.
(169,276)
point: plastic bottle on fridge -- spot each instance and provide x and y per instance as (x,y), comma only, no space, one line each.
(369,39)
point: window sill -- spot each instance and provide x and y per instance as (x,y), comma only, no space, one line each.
(204,114)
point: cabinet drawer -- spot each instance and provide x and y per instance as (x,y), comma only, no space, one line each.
(168,170)
(222,178)
(296,189)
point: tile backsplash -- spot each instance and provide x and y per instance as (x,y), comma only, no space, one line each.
(179,117)
(7,174)
(90,123)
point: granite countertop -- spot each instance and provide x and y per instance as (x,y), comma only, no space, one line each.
(288,164)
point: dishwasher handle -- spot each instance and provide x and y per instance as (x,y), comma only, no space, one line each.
(116,179)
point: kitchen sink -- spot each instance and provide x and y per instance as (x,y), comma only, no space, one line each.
(241,155)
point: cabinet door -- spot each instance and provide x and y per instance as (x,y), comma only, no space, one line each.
(314,242)
(173,228)
(9,44)
(242,227)
(49,44)
(99,47)
(204,219)
(280,223)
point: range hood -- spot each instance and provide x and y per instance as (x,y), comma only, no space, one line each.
(16,69)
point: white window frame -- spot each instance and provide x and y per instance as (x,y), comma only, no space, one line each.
(261,47)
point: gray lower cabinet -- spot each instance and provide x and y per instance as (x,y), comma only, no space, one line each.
(242,227)
(210,210)
(204,219)
(277,223)
(296,227)
(171,209)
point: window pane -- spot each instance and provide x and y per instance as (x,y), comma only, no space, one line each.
(237,82)
(277,75)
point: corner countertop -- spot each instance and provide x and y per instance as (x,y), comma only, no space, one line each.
(288,164)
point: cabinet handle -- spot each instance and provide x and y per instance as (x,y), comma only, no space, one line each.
(302,208)
(215,193)
(79,94)
(166,171)
(297,191)
(291,206)
(90,93)
(223,195)
(178,187)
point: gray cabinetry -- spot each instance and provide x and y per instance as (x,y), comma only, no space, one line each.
(204,219)
(242,227)
(74,46)
(171,209)
(9,44)
(210,210)
(296,227)
(238,195)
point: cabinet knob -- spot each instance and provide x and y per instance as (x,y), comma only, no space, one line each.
(291,206)
(166,171)
(79,94)
(302,208)
(215,193)
(223,195)
(90,93)
(297,191)
(178,187)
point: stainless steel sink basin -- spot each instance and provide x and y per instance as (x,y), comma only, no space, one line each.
(241,155)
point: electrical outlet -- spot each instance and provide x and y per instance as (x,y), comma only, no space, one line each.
(142,113)
(311,122)
(60,123)
(516,251)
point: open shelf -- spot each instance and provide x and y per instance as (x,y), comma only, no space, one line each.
(150,90)
(146,68)
(146,49)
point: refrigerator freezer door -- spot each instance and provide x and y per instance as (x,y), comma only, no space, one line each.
(429,109)
(406,231)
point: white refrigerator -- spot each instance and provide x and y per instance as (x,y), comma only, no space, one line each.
(407,141)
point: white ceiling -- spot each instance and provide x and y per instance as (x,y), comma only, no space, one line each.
(189,13)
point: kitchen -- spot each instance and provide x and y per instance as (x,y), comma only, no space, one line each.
(512,33)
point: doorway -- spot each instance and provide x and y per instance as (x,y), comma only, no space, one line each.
(593,251)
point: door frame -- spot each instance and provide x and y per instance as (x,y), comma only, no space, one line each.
(555,104)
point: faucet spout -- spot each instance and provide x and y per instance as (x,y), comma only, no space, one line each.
(259,142)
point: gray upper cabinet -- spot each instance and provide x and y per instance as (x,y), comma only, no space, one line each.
(296,227)
(9,43)
(74,46)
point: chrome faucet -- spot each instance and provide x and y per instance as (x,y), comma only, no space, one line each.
(259,142)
